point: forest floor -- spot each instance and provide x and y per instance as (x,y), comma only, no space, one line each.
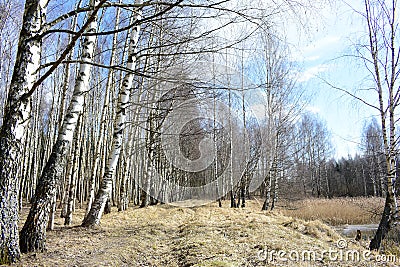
(165,235)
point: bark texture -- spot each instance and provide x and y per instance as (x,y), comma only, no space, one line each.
(33,234)
(15,122)
(94,215)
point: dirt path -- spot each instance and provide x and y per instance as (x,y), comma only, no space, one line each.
(173,236)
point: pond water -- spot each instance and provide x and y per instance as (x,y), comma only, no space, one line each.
(351,230)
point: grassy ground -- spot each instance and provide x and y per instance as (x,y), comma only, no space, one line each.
(338,211)
(202,236)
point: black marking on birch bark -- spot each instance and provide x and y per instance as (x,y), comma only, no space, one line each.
(117,133)
(86,55)
(69,116)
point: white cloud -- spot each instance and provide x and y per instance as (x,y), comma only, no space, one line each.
(312,72)
(321,48)
(313,109)
(312,58)
(321,44)
(315,53)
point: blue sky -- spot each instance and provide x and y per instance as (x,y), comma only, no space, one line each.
(318,40)
(319,52)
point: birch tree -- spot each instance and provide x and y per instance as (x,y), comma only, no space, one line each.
(372,146)
(380,56)
(103,125)
(16,117)
(382,62)
(281,108)
(33,234)
(96,211)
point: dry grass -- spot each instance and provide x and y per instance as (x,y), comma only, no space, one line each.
(337,211)
(172,236)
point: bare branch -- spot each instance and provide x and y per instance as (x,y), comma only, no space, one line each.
(348,93)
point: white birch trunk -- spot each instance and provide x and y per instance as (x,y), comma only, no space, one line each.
(73,178)
(33,234)
(15,121)
(386,22)
(96,211)
(103,123)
